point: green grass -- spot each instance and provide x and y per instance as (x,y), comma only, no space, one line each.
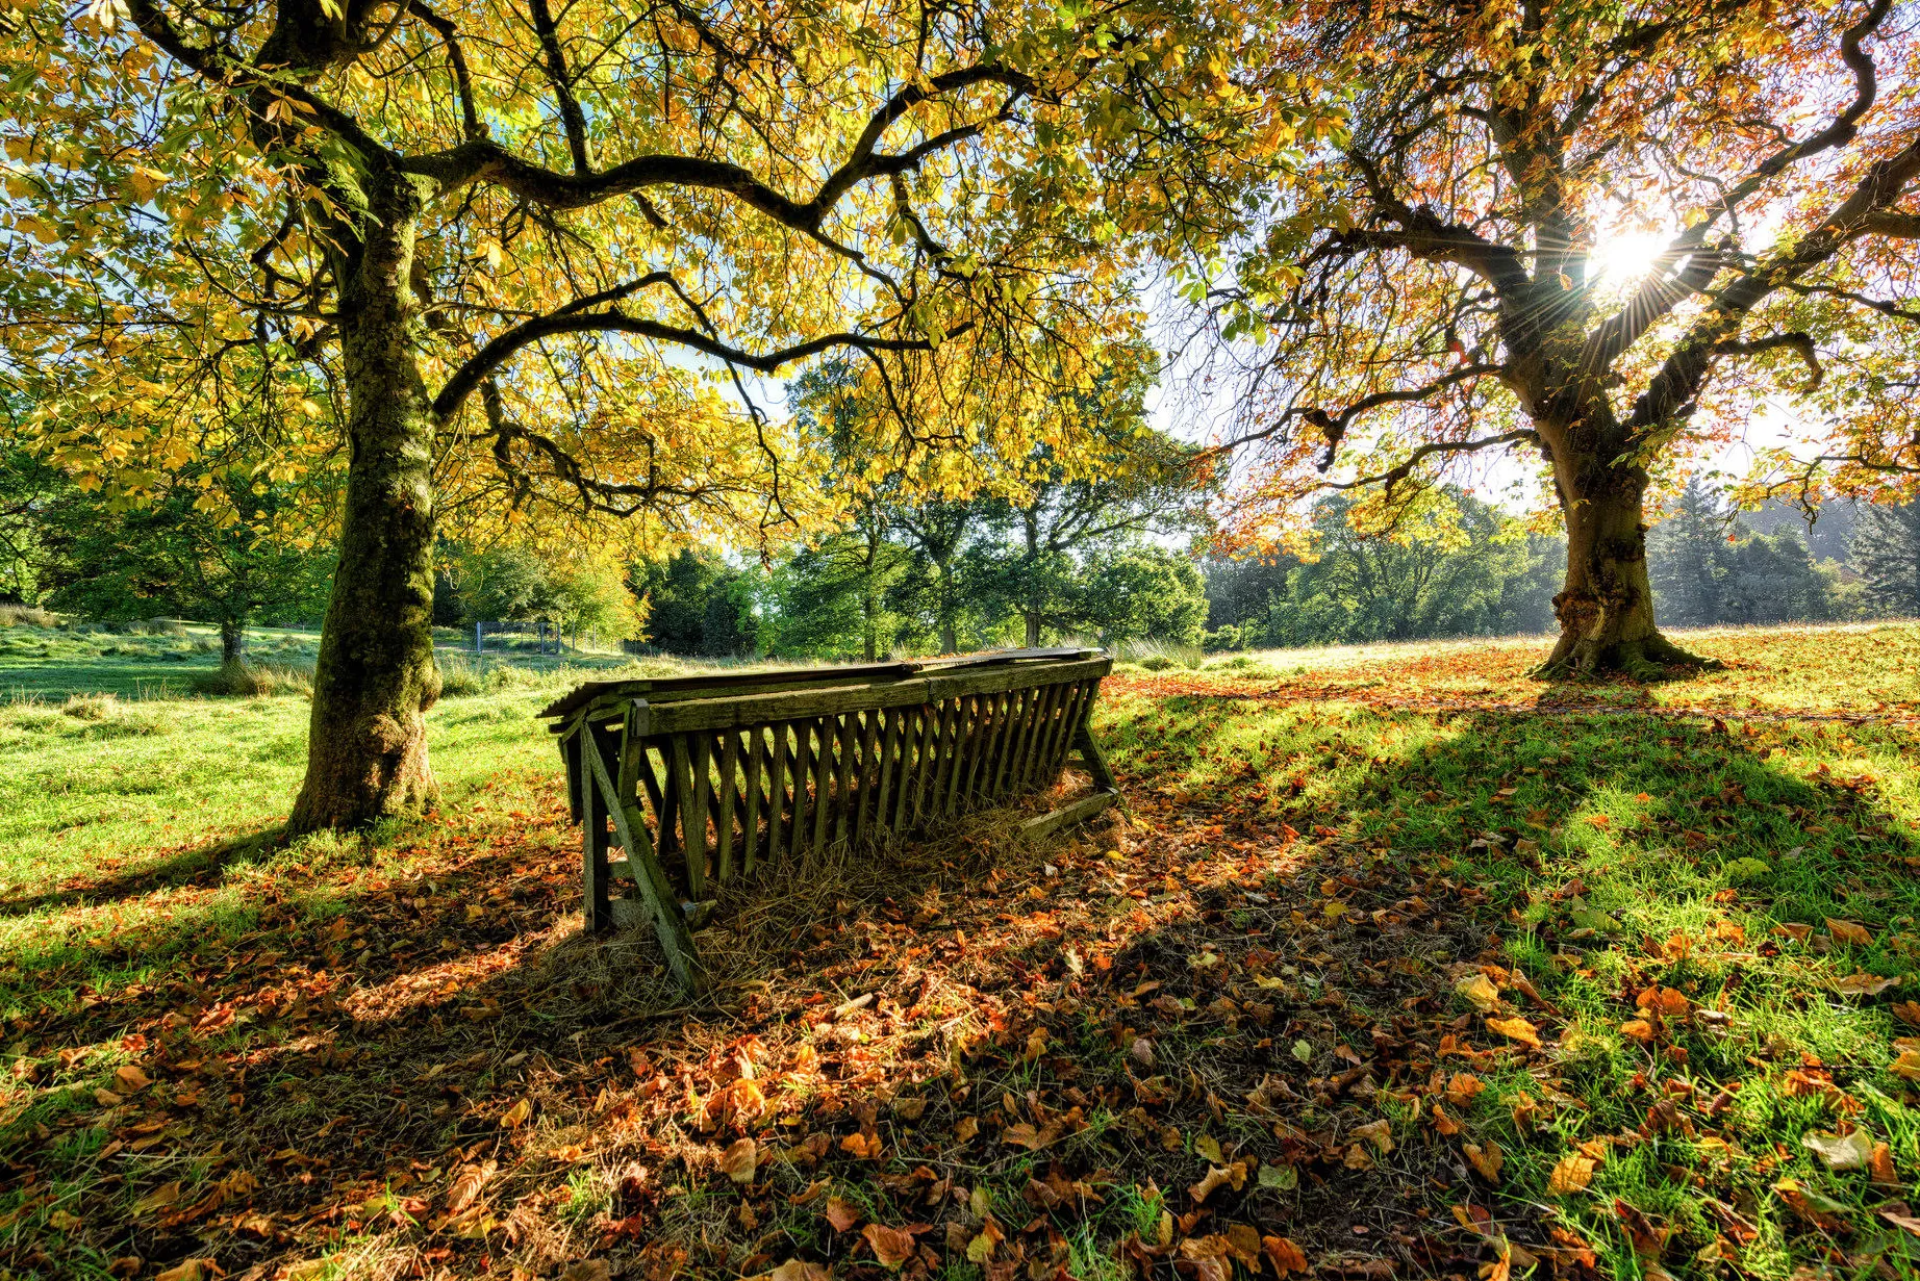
(1329,842)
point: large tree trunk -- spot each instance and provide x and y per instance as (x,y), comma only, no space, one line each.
(375,679)
(1606,607)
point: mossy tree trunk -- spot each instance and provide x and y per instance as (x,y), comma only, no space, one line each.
(1605,606)
(233,642)
(375,678)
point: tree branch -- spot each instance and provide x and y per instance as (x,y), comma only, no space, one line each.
(1799,342)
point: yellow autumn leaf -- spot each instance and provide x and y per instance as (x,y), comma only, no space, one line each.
(1517,1029)
(1572,1174)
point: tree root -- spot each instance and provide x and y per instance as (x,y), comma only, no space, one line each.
(1649,659)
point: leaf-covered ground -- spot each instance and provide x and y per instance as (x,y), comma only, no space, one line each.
(1399,965)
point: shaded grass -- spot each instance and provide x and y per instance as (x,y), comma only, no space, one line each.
(1327,853)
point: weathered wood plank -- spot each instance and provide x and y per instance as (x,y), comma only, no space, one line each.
(845,735)
(1095,759)
(693,852)
(825,730)
(723,810)
(669,922)
(751,782)
(596,907)
(1036,735)
(946,791)
(868,773)
(1009,742)
(803,754)
(725,713)
(777,838)
(889,766)
(903,767)
(1067,815)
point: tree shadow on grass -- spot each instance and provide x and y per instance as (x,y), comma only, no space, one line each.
(192,865)
(1254,971)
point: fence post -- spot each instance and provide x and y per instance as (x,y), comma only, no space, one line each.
(476,637)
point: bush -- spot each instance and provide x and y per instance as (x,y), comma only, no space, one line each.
(460,678)
(91,707)
(252,680)
(26,616)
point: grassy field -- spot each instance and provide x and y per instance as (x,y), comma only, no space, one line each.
(1399,963)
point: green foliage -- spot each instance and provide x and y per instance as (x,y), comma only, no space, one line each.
(1886,550)
(697,604)
(519,584)
(1708,568)
(1487,579)
(223,553)
(1144,593)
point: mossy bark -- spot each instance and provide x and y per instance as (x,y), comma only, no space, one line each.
(1605,607)
(375,677)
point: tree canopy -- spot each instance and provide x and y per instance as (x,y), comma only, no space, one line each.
(513,257)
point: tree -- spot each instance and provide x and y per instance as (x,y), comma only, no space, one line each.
(482,227)
(1144,593)
(1687,553)
(1063,508)
(223,554)
(1886,550)
(1771,578)
(1449,580)
(936,588)
(696,604)
(1452,272)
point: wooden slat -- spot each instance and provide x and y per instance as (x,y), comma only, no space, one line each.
(1035,728)
(596,907)
(1016,705)
(979,767)
(847,736)
(803,754)
(889,768)
(633,753)
(910,719)
(723,810)
(575,767)
(669,922)
(1095,759)
(923,767)
(1077,812)
(752,783)
(725,713)
(681,783)
(777,795)
(947,785)
(869,773)
(1063,732)
(825,730)
(1052,704)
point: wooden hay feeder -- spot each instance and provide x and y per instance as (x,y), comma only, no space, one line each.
(704,779)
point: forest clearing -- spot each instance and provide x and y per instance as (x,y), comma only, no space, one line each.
(1396,963)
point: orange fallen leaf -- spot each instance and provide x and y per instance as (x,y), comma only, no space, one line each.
(739,1161)
(841,1215)
(1849,932)
(1572,1174)
(467,1184)
(1862,985)
(1487,1160)
(1639,1029)
(1517,1029)
(1463,1088)
(130,1079)
(892,1246)
(1284,1255)
(1908,1012)
(516,1116)
(1792,930)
